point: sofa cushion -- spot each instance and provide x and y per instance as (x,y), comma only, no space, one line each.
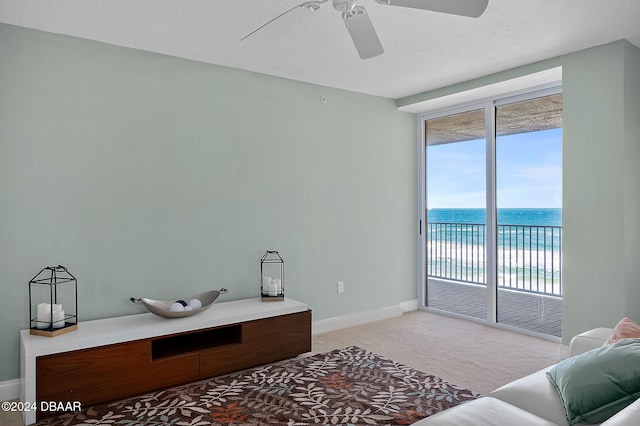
(484,412)
(588,340)
(629,416)
(625,329)
(534,393)
(597,384)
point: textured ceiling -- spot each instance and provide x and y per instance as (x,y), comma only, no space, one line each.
(423,50)
(530,115)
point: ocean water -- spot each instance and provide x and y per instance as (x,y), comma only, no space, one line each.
(528,251)
(531,216)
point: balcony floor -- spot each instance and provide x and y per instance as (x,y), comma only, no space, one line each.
(529,311)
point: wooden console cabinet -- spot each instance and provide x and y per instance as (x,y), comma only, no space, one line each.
(97,364)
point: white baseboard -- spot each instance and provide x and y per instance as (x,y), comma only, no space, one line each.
(409,305)
(359,318)
(9,389)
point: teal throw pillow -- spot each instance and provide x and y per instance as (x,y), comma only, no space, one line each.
(597,384)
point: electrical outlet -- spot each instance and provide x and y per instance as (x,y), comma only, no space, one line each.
(340,286)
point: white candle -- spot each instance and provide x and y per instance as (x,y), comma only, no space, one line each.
(44,315)
(266,284)
(58,319)
(57,307)
(276,288)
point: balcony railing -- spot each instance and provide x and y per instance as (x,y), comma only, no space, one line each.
(529,257)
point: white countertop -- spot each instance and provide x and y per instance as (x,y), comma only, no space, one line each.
(142,326)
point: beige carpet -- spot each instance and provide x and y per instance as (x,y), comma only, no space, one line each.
(468,354)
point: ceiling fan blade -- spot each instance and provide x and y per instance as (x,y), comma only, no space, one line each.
(362,32)
(471,8)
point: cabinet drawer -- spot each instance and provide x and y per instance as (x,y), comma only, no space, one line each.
(109,373)
(223,360)
(263,341)
(278,338)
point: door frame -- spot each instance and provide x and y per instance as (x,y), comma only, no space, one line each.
(489,105)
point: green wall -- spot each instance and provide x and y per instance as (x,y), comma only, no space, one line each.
(631,94)
(148,175)
(601,180)
(593,190)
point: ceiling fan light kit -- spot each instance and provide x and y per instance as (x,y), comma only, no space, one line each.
(312,5)
(361,29)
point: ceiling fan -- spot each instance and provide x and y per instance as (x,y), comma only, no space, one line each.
(361,29)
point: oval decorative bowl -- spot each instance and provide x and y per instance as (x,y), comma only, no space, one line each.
(161,307)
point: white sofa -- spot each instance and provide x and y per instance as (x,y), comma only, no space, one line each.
(531,400)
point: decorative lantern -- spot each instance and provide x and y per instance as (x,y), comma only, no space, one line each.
(272,277)
(53,302)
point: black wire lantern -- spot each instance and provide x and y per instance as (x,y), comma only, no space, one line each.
(53,302)
(272,277)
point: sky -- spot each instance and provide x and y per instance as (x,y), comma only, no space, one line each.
(528,173)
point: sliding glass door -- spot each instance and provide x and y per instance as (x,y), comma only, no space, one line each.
(529,206)
(492,239)
(456,215)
